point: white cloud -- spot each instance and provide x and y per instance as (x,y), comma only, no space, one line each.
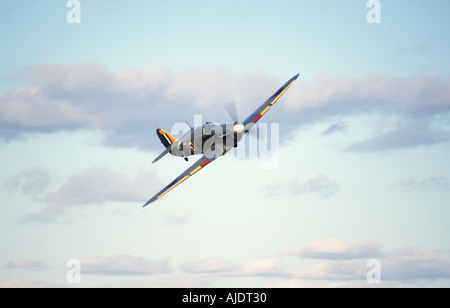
(33,265)
(330,263)
(348,261)
(49,214)
(98,185)
(261,267)
(421,93)
(402,266)
(335,249)
(92,187)
(415,133)
(29,282)
(30,181)
(415,264)
(434,183)
(335,270)
(123,265)
(220,266)
(128,104)
(333,263)
(339,126)
(418,101)
(211,265)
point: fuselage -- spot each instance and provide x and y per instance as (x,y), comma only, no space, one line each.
(208,137)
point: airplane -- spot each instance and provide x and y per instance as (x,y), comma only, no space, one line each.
(212,140)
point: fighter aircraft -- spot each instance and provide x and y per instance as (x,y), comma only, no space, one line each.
(211,140)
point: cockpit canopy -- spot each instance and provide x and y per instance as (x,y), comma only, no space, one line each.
(208,127)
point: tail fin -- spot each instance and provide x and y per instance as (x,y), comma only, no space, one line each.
(166,138)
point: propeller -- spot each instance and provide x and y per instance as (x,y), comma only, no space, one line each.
(230,107)
(238,127)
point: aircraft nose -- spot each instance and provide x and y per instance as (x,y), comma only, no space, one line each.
(239,128)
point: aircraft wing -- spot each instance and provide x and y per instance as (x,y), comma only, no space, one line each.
(197,166)
(258,113)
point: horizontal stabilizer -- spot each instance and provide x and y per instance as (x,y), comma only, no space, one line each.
(167,150)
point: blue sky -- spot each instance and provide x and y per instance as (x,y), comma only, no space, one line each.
(362,170)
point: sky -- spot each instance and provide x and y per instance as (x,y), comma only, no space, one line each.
(348,184)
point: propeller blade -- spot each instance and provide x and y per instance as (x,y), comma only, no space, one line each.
(230,107)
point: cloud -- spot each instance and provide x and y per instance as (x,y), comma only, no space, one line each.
(334,128)
(335,249)
(123,265)
(30,181)
(220,266)
(415,264)
(211,265)
(19,282)
(49,214)
(127,105)
(418,95)
(401,266)
(417,101)
(33,265)
(344,270)
(348,261)
(415,133)
(325,262)
(98,185)
(319,185)
(92,187)
(261,267)
(332,262)
(434,183)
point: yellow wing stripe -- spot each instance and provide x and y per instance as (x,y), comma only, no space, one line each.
(265,110)
(173,186)
(282,92)
(256,119)
(195,170)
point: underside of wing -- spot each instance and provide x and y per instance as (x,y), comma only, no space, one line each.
(197,166)
(258,113)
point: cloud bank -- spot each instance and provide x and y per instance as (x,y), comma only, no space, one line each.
(123,265)
(335,249)
(128,104)
(94,186)
(330,262)
(334,260)
(33,265)
(348,261)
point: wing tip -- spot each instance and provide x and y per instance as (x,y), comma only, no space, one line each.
(149,201)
